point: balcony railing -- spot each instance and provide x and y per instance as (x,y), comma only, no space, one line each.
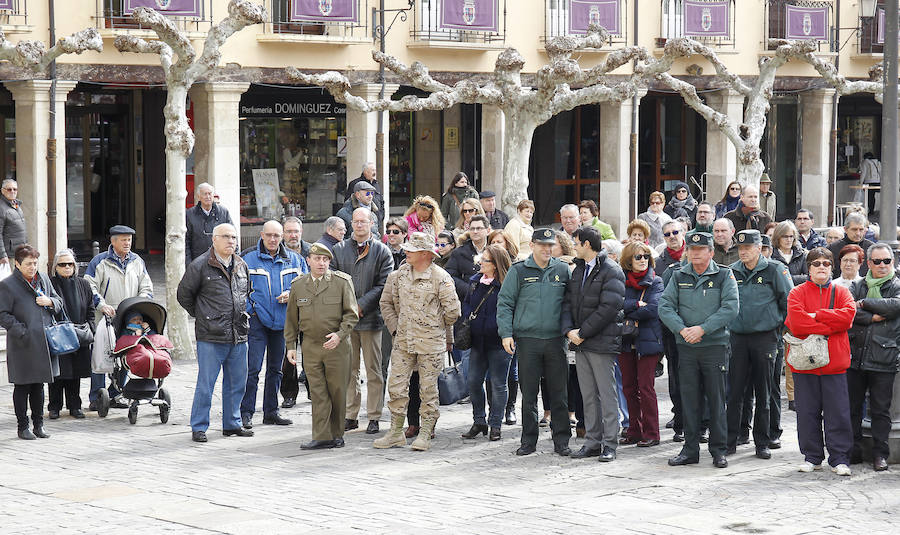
(116,15)
(435,21)
(869,39)
(799,20)
(13,13)
(710,22)
(572,17)
(282,23)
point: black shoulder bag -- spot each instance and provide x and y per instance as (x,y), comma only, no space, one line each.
(463,336)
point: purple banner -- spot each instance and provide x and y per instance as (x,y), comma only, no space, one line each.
(182,8)
(6,4)
(806,23)
(475,15)
(606,13)
(325,10)
(882,19)
(707,19)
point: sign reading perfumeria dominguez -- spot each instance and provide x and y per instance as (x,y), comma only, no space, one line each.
(605,13)
(473,15)
(707,19)
(182,8)
(806,23)
(324,11)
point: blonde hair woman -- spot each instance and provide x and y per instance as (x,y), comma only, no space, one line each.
(424,216)
(467,209)
(502,238)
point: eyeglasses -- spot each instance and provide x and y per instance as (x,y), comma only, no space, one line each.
(442,245)
(673,233)
(393,231)
(820,263)
(878,261)
(467,210)
(735,188)
(66,264)
(645,256)
(426,206)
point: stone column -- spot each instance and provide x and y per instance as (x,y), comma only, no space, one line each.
(493,133)
(32,98)
(361,130)
(815,134)
(217,156)
(721,156)
(615,163)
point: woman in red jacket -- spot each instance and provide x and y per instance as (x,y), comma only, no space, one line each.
(820,394)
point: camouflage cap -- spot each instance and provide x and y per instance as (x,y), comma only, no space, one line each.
(749,237)
(420,241)
(319,249)
(544,235)
(697,238)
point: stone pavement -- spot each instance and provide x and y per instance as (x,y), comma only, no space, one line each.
(98,475)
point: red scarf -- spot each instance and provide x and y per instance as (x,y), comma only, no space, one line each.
(676,255)
(634,278)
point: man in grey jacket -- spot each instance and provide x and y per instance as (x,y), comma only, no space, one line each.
(368,262)
(12,221)
(201,220)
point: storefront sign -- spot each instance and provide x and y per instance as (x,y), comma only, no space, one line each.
(324,10)
(304,104)
(807,23)
(584,13)
(184,8)
(474,15)
(707,19)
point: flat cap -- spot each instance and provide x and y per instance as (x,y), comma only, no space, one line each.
(121,229)
(363,185)
(319,249)
(486,194)
(544,235)
(702,239)
(749,237)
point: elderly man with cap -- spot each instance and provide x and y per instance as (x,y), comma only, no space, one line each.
(767,202)
(419,306)
(497,218)
(763,288)
(322,307)
(363,197)
(529,321)
(699,302)
(114,276)
(201,219)
(12,221)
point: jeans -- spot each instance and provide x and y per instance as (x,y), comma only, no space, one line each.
(263,341)
(461,357)
(231,359)
(98,381)
(623,401)
(481,360)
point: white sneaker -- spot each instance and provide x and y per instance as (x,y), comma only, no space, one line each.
(808,467)
(841,470)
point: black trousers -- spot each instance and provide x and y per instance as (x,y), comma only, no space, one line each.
(29,395)
(415,400)
(576,402)
(775,392)
(70,388)
(880,387)
(547,358)
(702,370)
(671,349)
(752,360)
(290,380)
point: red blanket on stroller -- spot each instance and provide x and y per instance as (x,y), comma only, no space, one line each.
(146,355)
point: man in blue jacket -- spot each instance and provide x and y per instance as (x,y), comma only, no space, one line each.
(272,268)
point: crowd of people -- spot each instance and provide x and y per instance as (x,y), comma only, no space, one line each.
(568,313)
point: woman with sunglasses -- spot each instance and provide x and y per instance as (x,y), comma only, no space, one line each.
(423,216)
(78,302)
(786,249)
(467,209)
(820,394)
(451,202)
(730,200)
(445,245)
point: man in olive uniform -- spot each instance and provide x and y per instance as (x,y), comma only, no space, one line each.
(419,306)
(697,305)
(322,305)
(763,287)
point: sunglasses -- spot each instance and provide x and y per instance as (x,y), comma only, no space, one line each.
(426,206)
(442,245)
(369,193)
(393,231)
(885,261)
(645,256)
(673,233)
(467,210)
(66,264)
(820,263)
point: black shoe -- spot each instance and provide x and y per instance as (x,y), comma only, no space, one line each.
(275,419)
(26,434)
(199,436)
(659,369)
(880,464)
(720,461)
(77,413)
(39,432)
(607,456)
(94,406)
(338,443)
(239,432)
(744,437)
(372,428)
(350,424)
(288,403)
(525,450)
(731,450)
(763,453)
(585,452)
(118,404)
(247,421)
(475,430)
(318,445)
(678,436)
(495,434)
(855,456)
(54,415)
(704,436)
(775,444)
(670,424)
(647,443)
(543,422)
(510,416)
(682,459)
(562,451)
(791,406)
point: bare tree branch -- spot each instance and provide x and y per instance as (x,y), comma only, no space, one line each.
(34,55)
(684,47)
(240,15)
(415,75)
(130,43)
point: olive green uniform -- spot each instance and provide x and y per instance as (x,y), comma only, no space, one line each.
(318,308)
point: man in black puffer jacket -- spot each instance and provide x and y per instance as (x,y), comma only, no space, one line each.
(591,317)
(874,354)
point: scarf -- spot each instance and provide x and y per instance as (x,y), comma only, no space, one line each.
(688,204)
(71,298)
(875,285)
(634,278)
(676,255)
(731,203)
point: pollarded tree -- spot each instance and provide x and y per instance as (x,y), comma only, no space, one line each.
(34,55)
(746,136)
(525,108)
(181,73)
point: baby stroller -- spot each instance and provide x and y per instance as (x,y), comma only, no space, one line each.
(144,358)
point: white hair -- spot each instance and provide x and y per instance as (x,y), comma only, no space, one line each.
(205,185)
(568,207)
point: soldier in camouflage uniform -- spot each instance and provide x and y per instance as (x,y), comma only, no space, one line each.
(420,306)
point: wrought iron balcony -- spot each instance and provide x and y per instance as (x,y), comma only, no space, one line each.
(14,16)
(801,20)
(116,15)
(477,22)
(572,17)
(710,22)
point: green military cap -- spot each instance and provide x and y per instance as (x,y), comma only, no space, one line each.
(318,248)
(702,239)
(765,240)
(544,235)
(749,237)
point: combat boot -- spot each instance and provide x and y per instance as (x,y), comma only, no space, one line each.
(423,441)
(395,436)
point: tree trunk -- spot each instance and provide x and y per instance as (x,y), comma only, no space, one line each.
(516,154)
(176,194)
(749,166)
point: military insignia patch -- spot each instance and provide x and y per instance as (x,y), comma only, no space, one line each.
(696,237)
(302,301)
(759,280)
(742,238)
(711,284)
(548,233)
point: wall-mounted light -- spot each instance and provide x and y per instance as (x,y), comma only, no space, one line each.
(868,8)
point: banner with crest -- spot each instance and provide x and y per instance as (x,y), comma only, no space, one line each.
(324,11)
(475,15)
(181,8)
(806,23)
(6,4)
(606,13)
(707,19)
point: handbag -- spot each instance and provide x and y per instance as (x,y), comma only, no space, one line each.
(102,355)
(452,385)
(61,336)
(809,353)
(630,326)
(84,333)
(462,338)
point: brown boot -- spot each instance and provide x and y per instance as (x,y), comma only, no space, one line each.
(412,431)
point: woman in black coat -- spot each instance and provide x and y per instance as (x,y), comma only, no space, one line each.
(27,303)
(78,302)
